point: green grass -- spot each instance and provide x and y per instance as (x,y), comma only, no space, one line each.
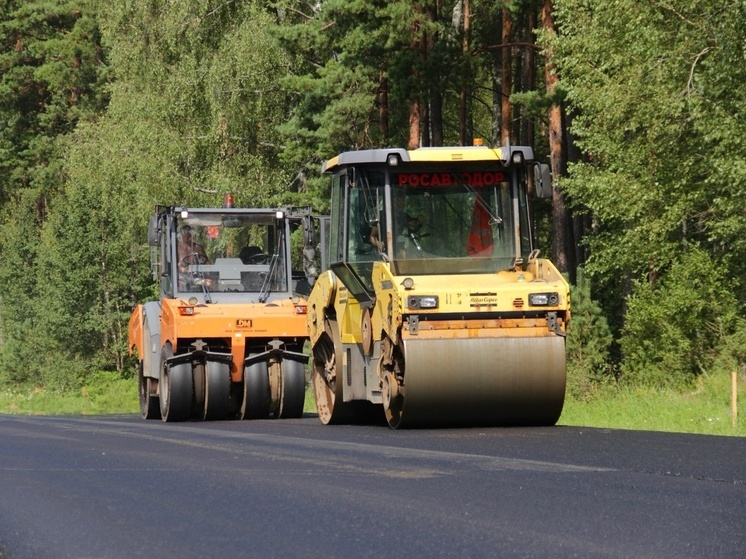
(310,404)
(104,392)
(704,410)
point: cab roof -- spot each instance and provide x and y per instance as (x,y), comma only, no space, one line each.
(425,155)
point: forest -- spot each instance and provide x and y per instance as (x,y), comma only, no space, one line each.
(110,108)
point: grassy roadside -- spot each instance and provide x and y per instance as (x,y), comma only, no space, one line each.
(704,410)
(103,393)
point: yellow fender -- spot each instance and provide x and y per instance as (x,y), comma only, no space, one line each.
(386,316)
(320,298)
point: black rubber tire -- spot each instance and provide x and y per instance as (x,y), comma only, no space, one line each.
(176,388)
(149,403)
(293,389)
(217,390)
(256,397)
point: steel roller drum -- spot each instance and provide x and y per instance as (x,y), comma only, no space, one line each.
(483,381)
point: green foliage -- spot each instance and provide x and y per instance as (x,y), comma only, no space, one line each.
(195,111)
(51,71)
(109,108)
(674,328)
(339,50)
(19,242)
(198,83)
(360,66)
(733,354)
(638,78)
(657,112)
(588,342)
(192,115)
(91,267)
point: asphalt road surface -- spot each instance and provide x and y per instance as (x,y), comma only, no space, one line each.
(121,487)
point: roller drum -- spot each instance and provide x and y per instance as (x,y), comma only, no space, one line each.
(482,381)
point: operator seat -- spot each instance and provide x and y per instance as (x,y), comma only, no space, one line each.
(249,253)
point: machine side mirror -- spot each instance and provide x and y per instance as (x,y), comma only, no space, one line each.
(153,239)
(542,180)
(325,228)
(309,250)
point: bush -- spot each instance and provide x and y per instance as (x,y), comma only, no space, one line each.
(732,357)
(588,341)
(674,329)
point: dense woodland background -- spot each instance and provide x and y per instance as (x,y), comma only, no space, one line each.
(109,108)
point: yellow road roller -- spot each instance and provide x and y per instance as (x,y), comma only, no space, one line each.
(436,309)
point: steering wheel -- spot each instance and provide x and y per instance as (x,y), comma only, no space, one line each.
(419,232)
(193,258)
(416,228)
(258,258)
(417,225)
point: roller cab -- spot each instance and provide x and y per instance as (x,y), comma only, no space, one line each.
(436,309)
(225,338)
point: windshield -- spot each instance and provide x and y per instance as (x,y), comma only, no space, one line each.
(230,253)
(447,224)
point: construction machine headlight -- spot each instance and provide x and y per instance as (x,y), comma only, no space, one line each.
(543,299)
(422,302)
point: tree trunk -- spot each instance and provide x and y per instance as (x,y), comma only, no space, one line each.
(425,105)
(414,124)
(415,43)
(463,109)
(507,77)
(435,97)
(529,78)
(436,118)
(383,106)
(561,225)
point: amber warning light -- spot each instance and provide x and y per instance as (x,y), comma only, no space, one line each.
(228,201)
